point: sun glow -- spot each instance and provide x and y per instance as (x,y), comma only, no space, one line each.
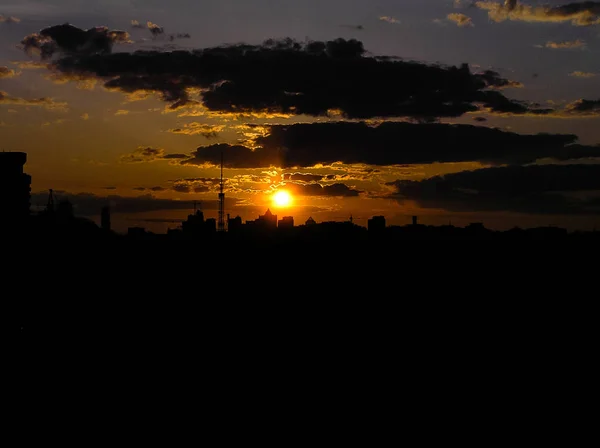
(282,199)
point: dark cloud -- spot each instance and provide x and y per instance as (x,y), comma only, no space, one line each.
(175,156)
(354,27)
(87,204)
(172,37)
(578,13)
(155,29)
(334,190)
(390,143)
(70,40)
(495,81)
(110,188)
(149,154)
(290,77)
(584,107)
(543,189)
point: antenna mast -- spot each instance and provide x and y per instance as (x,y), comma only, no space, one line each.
(221,223)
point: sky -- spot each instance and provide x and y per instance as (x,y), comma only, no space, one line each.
(454,111)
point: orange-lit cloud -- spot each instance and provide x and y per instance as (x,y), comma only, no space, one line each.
(6,72)
(566,44)
(579,14)
(9,19)
(203,129)
(46,103)
(580,74)
(461,20)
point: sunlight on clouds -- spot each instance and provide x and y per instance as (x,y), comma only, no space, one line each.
(511,10)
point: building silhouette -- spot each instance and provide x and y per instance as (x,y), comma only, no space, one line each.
(287,222)
(105,218)
(266,221)
(15,188)
(376,224)
(310,221)
(234,224)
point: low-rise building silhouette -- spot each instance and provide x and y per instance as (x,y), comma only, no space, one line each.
(376,224)
(287,222)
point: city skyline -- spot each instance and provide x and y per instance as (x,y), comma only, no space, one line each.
(454,111)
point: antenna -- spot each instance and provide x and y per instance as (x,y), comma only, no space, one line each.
(50,205)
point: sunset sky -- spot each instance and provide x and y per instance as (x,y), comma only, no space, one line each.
(461,111)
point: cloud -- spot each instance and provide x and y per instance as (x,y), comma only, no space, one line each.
(583,107)
(6,72)
(149,154)
(389,19)
(197,185)
(122,112)
(578,13)
(566,44)
(354,27)
(155,29)
(539,189)
(46,103)
(494,81)
(334,190)
(317,78)
(85,116)
(580,74)
(87,204)
(70,40)
(194,128)
(136,24)
(9,19)
(461,20)
(389,143)
(31,65)
(304,177)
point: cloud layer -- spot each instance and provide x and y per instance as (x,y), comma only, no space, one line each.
(389,143)
(577,13)
(538,189)
(285,77)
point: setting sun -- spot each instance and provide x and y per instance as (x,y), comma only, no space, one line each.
(282,199)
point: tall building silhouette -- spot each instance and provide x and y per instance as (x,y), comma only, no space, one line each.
(15,189)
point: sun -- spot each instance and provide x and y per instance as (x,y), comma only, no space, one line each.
(282,199)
